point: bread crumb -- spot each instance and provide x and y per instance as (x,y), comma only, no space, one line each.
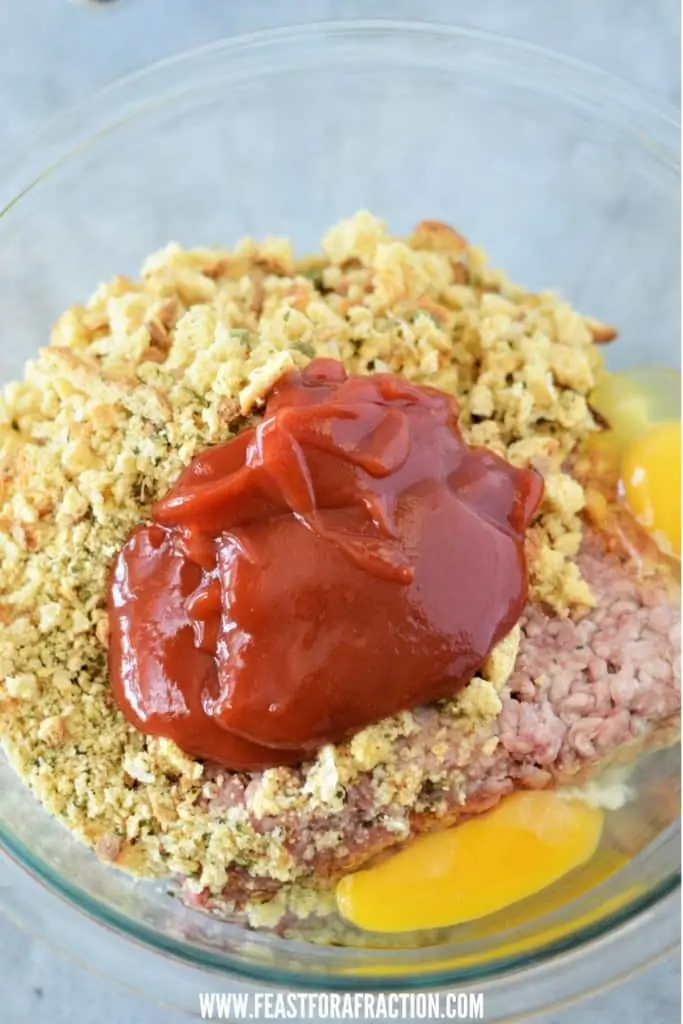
(498,667)
(23,686)
(146,374)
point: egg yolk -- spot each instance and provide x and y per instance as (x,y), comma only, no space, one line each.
(530,840)
(651,479)
(643,410)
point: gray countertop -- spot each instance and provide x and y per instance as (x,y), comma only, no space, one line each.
(53,52)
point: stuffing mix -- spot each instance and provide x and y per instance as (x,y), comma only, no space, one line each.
(149,373)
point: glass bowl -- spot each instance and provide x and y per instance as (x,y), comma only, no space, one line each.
(568,177)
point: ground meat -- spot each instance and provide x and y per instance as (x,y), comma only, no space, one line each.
(582,693)
(149,372)
(582,689)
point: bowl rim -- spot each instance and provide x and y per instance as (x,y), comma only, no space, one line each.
(616,926)
(144,972)
(82,119)
(81,125)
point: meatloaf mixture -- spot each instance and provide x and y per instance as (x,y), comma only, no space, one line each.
(150,372)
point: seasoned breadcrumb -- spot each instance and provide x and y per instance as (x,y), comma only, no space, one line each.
(148,373)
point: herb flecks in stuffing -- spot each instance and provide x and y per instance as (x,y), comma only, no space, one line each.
(145,375)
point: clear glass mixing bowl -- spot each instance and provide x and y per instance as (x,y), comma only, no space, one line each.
(569,178)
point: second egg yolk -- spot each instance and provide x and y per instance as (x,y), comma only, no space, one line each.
(651,478)
(642,408)
(526,843)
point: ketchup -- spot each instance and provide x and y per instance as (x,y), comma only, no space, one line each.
(348,558)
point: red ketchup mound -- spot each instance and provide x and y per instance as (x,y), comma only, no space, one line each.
(348,558)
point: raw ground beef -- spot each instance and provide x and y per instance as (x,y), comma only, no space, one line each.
(582,694)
